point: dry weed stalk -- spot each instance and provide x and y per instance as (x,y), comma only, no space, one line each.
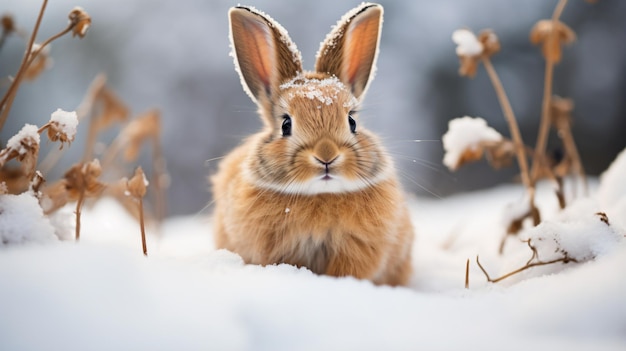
(561,119)
(136,188)
(142,129)
(471,51)
(534,261)
(467,264)
(107,109)
(80,182)
(552,34)
(79,22)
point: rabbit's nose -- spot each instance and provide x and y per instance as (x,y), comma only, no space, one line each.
(325,152)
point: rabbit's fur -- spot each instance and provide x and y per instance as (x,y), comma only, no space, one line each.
(313,188)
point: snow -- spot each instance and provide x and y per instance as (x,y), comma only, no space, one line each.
(467,43)
(465,133)
(66,122)
(102,293)
(22,221)
(28,134)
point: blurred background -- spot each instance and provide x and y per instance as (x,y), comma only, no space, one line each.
(174,55)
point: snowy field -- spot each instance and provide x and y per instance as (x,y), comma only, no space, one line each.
(103,294)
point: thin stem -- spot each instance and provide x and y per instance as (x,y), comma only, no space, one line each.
(467,274)
(513,127)
(79,205)
(544,126)
(527,266)
(7,100)
(143,230)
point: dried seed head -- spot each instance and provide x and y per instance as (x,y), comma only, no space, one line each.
(489,41)
(54,196)
(24,147)
(466,140)
(8,25)
(62,126)
(80,20)
(138,184)
(41,61)
(144,127)
(551,35)
(83,178)
(471,49)
(112,109)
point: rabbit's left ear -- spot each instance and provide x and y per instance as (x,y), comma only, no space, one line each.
(350,49)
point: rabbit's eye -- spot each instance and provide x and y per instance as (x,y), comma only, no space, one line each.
(352,124)
(286,127)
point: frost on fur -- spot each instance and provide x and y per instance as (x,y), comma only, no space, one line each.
(324,90)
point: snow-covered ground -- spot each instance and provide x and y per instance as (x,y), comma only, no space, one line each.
(103,294)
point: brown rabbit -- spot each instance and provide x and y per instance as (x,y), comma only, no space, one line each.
(313,188)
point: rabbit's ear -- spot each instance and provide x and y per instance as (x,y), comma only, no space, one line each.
(350,49)
(264,54)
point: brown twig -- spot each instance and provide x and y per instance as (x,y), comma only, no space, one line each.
(467,274)
(507,110)
(79,205)
(7,100)
(529,264)
(143,229)
(544,126)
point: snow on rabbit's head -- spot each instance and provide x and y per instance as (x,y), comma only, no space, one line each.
(312,142)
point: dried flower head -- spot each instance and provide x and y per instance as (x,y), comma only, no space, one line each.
(551,35)
(471,49)
(489,41)
(466,139)
(54,196)
(112,109)
(62,126)
(80,21)
(82,178)
(137,185)
(24,147)
(144,127)
(40,60)
(8,24)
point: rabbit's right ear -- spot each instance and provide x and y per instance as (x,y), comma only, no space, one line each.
(264,54)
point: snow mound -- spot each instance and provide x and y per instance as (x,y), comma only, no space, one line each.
(22,221)
(580,233)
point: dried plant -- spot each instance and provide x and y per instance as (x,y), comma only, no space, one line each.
(136,188)
(534,261)
(107,109)
(79,21)
(145,128)
(24,147)
(81,181)
(551,34)
(472,50)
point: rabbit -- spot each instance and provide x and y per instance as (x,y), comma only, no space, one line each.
(312,189)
